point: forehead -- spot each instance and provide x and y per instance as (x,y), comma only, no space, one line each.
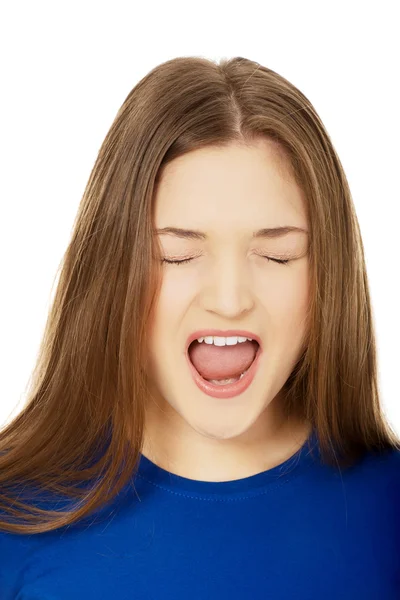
(228,183)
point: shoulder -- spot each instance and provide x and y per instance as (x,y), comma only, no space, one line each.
(386,463)
(377,476)
(15,550)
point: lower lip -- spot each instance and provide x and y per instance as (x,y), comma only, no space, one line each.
(229,390)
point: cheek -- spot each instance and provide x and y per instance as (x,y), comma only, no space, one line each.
(287,304)
(172,302)
(174,291)
(177,289)
(285,297)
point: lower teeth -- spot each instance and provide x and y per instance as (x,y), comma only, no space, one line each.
(223,381)
(226,381)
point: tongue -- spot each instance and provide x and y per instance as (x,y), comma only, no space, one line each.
(222,362)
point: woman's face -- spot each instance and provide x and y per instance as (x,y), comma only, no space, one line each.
(227,194)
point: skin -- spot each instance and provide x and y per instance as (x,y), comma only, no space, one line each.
(227,193)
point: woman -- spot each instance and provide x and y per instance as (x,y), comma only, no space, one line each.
(204,417)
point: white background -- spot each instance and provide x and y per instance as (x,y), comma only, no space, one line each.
(66,68)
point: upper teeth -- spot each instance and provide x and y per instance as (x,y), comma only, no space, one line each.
(223,341)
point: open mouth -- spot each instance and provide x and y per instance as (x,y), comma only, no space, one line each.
(227,388)
(225,381)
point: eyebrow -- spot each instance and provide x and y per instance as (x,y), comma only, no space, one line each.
(194,234)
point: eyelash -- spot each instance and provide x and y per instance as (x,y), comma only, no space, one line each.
(186,260)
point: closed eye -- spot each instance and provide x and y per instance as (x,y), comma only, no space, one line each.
(186,260)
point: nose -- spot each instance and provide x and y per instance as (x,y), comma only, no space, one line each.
(228,289)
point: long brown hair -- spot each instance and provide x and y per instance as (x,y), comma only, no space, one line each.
(88,389)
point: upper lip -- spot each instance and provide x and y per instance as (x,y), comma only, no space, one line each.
(219,332)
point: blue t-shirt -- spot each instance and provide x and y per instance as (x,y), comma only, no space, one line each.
(300,530)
